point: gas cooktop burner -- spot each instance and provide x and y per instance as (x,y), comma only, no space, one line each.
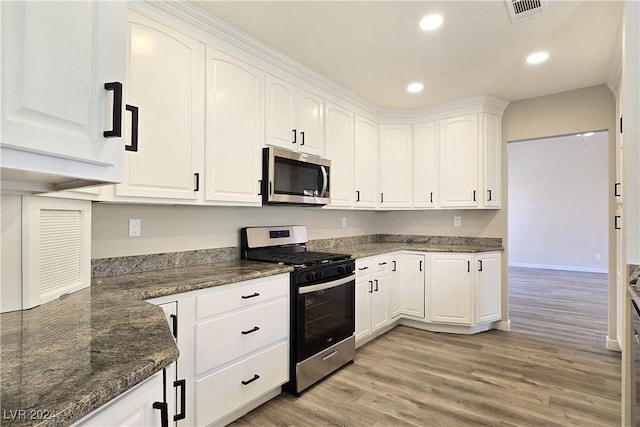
(301,259)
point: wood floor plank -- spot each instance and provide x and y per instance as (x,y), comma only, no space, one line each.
(552,369)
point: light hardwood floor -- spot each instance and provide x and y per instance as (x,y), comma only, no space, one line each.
(551,370)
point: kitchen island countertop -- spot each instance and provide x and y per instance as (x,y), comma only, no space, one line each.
(66,358)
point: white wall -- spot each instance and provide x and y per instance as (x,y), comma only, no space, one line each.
(182,228)
(478,223)
(558,203)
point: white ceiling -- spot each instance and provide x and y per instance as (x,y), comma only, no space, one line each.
(375,48)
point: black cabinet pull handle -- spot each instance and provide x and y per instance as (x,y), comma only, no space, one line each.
(382,263)
(381,197)
(620,124)
(255,377)
(357,195)
(252,330)
(270,189)
(164,412)
(370,286)
(420,265)
(183,399)
(376,281)
(468,266)
(480,261)
(116,114)
(174,321)
(134,128)
(260,187)
(363,268)
(615,189)
(295,136)
(474,195)
(615,222)
(253,295)
(196,177)
(394,266)
(302,138)
(431,197)
(489,193)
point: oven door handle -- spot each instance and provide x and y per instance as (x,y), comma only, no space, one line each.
(327,285)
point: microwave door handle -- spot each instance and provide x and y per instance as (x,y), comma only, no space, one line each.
(327,285)
(325,181)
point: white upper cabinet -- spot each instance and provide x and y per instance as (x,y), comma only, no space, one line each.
(234,130)
(165,82)
(295,118)
(426,165)
(366,163)
(395,166)
(56,110)
(339,149)
(460,152)
(492,142)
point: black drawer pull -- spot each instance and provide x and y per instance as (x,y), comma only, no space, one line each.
(363,268)
(250,296)
(254,329)
(255,377)
(382,263)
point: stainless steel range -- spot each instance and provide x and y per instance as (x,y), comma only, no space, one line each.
(322,301)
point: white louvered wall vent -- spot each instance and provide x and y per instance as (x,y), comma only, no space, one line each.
(521,10)
(56,248)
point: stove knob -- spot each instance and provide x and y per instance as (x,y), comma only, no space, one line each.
(319,275)
(309,276)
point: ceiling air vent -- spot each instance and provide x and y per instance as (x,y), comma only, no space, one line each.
(520,10)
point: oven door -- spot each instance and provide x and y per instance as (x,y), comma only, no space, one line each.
(295,178)
(325,315)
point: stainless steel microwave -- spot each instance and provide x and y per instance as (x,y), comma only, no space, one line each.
(294,178)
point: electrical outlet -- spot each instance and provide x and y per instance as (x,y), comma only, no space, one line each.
(135,228)
(344,221)
(457,221)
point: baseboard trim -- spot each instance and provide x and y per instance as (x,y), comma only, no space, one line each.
(559,267)
(504,325)
(612,344)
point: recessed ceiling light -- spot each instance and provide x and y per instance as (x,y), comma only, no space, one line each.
(415,87)
(538,57)
(431,22)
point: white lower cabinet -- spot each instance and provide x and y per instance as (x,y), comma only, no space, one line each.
(464,289)
(234,348)
(141,406)
(410,286)
(372,296)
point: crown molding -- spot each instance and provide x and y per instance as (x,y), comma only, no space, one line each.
(203,21)
(211,26)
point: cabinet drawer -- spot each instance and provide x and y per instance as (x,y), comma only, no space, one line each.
(243,295)
(224,339)
(372,264)
(223,392)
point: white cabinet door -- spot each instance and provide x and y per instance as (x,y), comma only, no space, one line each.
(364,292)
(339,149)
(165,81)
(426,165)
(380,312)
(395,166)
(134,408)
(310,123)
(396,284)
(459,161)
(56,59)
(366,163)
(295,118)
(449,296)
(492,143)
(234,130)
(281,113)
(488,289)
(413,290)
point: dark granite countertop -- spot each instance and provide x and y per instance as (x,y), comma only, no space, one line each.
(66,358)
(371,249)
